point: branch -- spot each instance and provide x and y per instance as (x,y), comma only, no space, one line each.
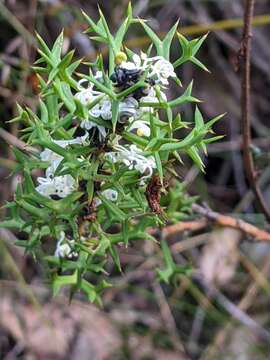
(244,62)
(14,141)
(236,312)
(194,225)
(228,221)
(219,219)
(213,350)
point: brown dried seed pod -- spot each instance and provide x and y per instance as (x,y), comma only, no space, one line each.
(153,193)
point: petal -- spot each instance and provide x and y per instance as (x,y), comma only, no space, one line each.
(110,194)
(137,60)
(128,65)
(102,131)
(80,82)
(99,75)
(95,111)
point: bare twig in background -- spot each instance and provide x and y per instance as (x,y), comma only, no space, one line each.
(13,269)
(255,273)
(219,219)
(13,140)
(246,301)
(184,226)
(224,220)
(189,243)
(168,318)
(236,144)
(249,196)
(16,24)
(244,59)
(237,313)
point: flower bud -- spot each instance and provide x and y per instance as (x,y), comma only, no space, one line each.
(120,57)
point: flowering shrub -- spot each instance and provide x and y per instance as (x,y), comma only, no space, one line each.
(107,141)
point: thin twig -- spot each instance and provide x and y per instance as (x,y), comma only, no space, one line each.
(236,312)
(189,243)
(244,61)
(168,318)
(255,273)
(244,304)
(236,144)
(13,140)
(224,220)
(219,219)
(194,225)
(16,24)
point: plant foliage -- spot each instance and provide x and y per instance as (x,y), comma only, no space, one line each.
(108,140)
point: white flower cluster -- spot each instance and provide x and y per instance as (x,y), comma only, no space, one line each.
(133,159)
(103,109)
(109,194)
(62,185)
(131,112)
(159,70)
(65,247)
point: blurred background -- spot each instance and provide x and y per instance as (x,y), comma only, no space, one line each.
(142,319)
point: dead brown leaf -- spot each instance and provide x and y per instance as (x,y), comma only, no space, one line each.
(220,256)
(60,331)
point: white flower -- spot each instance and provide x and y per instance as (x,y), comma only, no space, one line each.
(110,194)
(139,62)
(103,109)
(97,201)
(161,70)
(50,156)
(133,159)
(55,159)
(142,127)
(152,98)
(59,185)
(128,65)
(64,247)
(86,95)
(88,125)
(81,140)
(98,76)
(127,108)
(63,251)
